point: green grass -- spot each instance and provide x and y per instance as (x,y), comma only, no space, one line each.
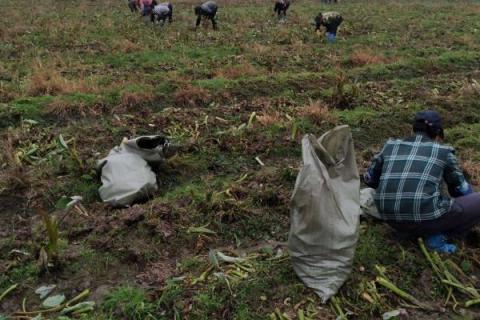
(129,302)
(23,275)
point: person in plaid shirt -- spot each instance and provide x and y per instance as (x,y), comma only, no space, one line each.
(408,176)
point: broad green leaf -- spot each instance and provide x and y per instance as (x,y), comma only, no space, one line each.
(53,301)
(62,203)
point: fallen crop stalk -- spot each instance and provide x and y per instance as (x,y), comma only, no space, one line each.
(455,267)
(429,258)
(472,302)
(338,310)
(203,276)
(11,288)
(444,275)
(79,297)
(468,290)
(260,162)
(402,294)
(399,292)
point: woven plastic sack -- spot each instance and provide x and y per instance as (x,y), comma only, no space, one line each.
(325,210)
(126,173)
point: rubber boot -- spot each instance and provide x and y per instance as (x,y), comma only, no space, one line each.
(439,243)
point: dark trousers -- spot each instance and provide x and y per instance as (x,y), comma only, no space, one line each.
(147,9)
(464,214)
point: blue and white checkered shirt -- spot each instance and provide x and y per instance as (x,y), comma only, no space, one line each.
(408,176)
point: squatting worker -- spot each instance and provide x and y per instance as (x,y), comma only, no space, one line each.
(146,6)
(331,21)
(281,7)
(161,12)
(207,9)
(408,176)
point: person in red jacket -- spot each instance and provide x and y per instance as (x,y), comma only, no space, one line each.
(146,6)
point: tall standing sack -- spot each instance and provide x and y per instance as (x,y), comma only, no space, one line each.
(325,210)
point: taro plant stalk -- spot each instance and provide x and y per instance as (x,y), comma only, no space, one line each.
(51,227)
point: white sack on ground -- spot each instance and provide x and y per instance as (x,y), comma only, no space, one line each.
(325,212)
(126,173)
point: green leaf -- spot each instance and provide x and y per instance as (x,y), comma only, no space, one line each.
(212,257)
(229,259)
(201,229)
(29,121)
(466,266)
(62,203)
(62,142)
(44,291)
(53,301)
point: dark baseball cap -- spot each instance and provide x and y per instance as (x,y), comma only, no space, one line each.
(430,119)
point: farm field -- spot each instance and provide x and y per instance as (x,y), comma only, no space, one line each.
(76,77)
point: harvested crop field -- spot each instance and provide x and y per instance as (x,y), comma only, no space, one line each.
(76,77)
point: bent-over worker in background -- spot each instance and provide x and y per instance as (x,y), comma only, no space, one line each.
(331,21)
(281,7)
(207,9)
(161,12)
(408,176)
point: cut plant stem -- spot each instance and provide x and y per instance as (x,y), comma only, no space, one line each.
(402,294)
(11,288)
(300,314)
(250,119)
(468,290)
(338,309)
(260,161)
(429,258)
(79,297)
(472,302)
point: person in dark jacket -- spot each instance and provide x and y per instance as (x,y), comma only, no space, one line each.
(408,175)
(331,21)
(132,4)
(281,7)
(161,12)
(207,9)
